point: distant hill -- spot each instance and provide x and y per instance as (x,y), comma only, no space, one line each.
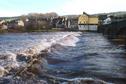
(117,15)
(120,12)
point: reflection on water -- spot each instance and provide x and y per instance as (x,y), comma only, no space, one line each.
(93,56)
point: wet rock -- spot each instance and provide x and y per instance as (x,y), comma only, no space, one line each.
(38,66)
(2,71)
(21,58)
(35,67)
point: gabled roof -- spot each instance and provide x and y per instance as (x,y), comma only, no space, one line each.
(84,13)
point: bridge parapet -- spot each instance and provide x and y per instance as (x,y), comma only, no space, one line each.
(114,28)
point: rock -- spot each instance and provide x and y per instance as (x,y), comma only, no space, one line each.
(21,58)
(38,66)
(2,71)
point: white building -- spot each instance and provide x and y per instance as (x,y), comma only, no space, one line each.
(4,26)
(20,23)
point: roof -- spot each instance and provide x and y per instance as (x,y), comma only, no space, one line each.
(84,13)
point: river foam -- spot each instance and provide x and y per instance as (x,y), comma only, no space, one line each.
(29,45)
(15,50)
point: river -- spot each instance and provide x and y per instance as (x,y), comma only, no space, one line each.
(79,55)
(93,56)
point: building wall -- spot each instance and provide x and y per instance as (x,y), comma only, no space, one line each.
(3,21)
(93,27)
(72,23)
(87,22)
(83,27)
(83,19)
(20,23)
(93,20)
(88,27)
(4,27)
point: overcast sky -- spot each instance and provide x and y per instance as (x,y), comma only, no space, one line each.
(62,7)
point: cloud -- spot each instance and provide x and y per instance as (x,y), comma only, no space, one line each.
(91,6)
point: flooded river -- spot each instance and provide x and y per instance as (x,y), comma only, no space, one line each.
(70,55)
(93,56)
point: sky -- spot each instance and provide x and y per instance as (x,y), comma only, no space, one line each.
(62,7)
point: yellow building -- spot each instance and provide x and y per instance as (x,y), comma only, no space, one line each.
(88,22)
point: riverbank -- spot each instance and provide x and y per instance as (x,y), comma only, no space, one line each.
(23,30)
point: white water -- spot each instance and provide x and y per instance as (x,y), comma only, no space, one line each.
(13,45)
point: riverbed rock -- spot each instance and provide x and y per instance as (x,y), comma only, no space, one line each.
(38,66)
(2,71)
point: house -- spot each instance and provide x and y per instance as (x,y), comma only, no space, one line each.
(72,23)
(88,22)
(2,21)
(12,24)
(20,23)
(58,22)
(3,25)
(110,19)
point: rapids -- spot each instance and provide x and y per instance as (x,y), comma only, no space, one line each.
(67,58)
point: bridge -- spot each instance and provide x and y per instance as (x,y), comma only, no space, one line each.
(114,29)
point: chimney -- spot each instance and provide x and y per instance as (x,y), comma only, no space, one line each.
(84,13)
